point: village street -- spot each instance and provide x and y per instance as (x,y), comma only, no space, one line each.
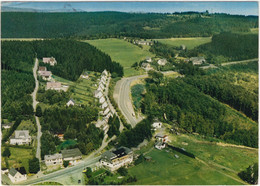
(39,133)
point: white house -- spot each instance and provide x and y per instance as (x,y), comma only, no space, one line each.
(21,137)
(50,60)
(120,157)
(104,78)
(102,82)
(46,75)
(55,159)
(106,118)
(17,176)
(104,105)
(102,100)
(85,75)
(105,72)
(149,59)
(70,102)
(161,137)
(101,86)
(7,125)
(106,111)
(157,124)
(159,145)
(162,62)
(4,170)
(98,94)
(146,66)
(71,155)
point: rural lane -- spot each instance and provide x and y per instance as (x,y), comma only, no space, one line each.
(39,133)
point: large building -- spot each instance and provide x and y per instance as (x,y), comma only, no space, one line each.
(71,155)
(21,137)
(120,157)
(55,159)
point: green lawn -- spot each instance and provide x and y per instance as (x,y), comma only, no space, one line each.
(122,52)
(48,183)
(165,169)
(19,157)
(190,43)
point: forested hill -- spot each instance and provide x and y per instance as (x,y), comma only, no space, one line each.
(113,24)
(73,57)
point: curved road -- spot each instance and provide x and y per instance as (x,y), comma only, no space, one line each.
(122,97)
(39,133)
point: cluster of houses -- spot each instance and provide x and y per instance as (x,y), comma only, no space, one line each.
(146,65)
(115,159)
(47,75)
(99,94)
(71,155)
(21,137)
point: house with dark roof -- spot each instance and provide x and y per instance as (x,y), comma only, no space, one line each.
(115,159)
(21,137)
(71,155)
(17,175)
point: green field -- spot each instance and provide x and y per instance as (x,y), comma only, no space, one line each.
(165,169)
(190,43)
(123,52)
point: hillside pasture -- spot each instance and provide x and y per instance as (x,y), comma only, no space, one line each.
(190,43)
(123,52)
(166,169)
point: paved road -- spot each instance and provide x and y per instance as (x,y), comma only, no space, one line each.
(64,172)
(39,133)
(122,97)
(236,62)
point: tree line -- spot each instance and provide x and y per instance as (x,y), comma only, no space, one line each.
(194,112)
(92,25)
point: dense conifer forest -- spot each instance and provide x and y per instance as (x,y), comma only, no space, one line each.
(113,24)
(229,47)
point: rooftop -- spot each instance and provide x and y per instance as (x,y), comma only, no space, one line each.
(71,153)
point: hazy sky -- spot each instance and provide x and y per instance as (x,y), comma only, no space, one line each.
(243,8)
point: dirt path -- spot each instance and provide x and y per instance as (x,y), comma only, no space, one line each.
(237,62)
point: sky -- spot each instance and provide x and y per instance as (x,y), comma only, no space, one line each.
(230,7)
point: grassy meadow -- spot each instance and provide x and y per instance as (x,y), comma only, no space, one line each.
(123,52)
(190,43)
(19,157)
(165,169)
(214,163)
